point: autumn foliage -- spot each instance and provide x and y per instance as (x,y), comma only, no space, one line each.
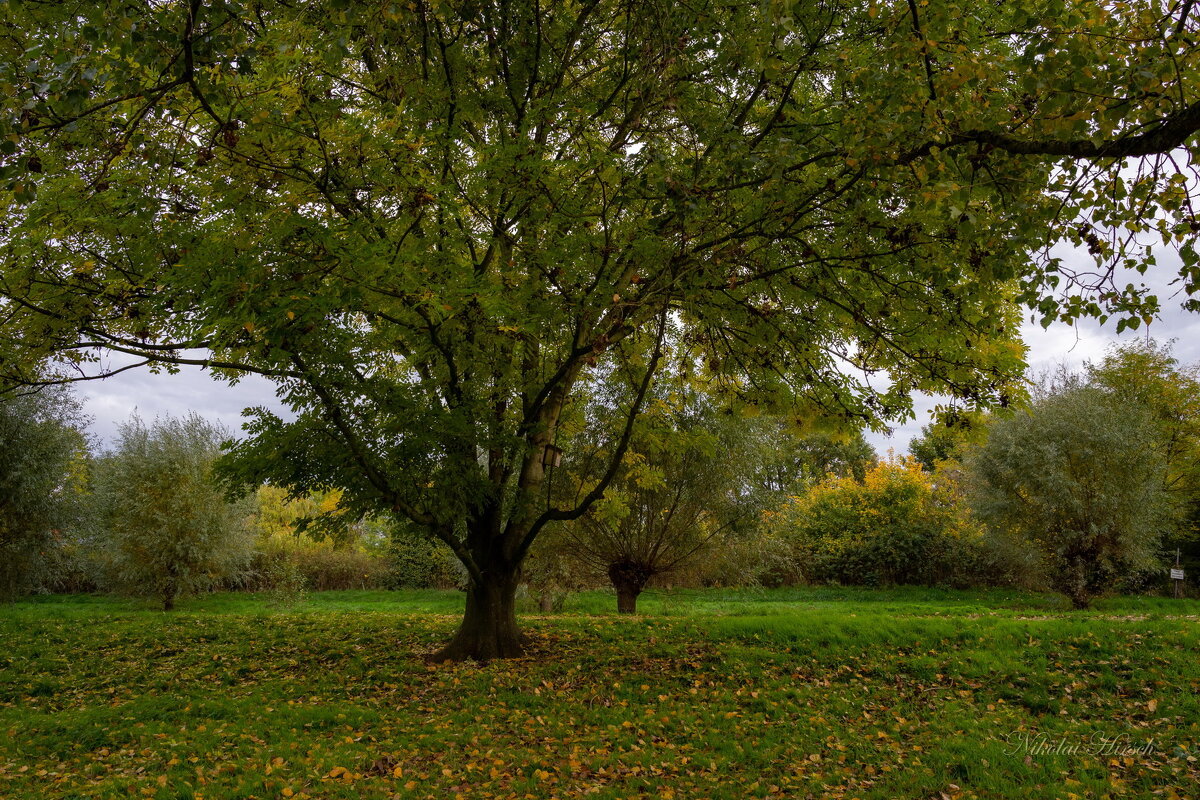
(899,525)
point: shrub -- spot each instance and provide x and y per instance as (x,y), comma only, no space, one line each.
(298,562)
(306,544)
(72,564)
(898,526)
(415,561)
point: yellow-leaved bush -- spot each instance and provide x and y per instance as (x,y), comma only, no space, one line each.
(288,559)
(899,525)
(369,553)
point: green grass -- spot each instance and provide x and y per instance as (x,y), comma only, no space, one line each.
(905,693)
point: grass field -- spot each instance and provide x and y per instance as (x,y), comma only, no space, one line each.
(722,694)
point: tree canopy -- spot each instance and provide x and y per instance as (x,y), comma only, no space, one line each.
(168,531)
(947,437)
(1078,475)
(429,222)
(690,480)
(43,476)
(1146,375)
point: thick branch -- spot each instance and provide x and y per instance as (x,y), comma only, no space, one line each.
(1165,136)
(597,492)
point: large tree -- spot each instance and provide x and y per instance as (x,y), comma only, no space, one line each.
(1146,377)
(430,221)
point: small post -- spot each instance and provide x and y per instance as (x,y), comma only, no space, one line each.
(1177,576)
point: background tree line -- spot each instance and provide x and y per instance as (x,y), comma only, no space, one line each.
(1093,482)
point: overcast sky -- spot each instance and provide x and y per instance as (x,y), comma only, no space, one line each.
(1088,340)
(1073,346)
(111,401)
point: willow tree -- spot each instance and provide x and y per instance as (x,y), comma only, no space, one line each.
(429,221)
(1077,476)
(694,477)
(43,480)
(167,531)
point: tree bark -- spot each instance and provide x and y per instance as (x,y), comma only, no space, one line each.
(170,591)
(489,626)
(628,578)
(1077,589)
(627,596)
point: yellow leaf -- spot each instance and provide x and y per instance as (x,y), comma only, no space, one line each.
(398,772)
(1152,705)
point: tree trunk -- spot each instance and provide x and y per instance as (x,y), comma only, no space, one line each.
(628,578)
(1077,589)
(489,626)
(627,596)
(168,600)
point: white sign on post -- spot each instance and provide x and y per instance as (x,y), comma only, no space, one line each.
(1176,574)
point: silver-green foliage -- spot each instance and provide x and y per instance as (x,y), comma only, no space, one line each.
(168,529)
(42,453)
(1078,477)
